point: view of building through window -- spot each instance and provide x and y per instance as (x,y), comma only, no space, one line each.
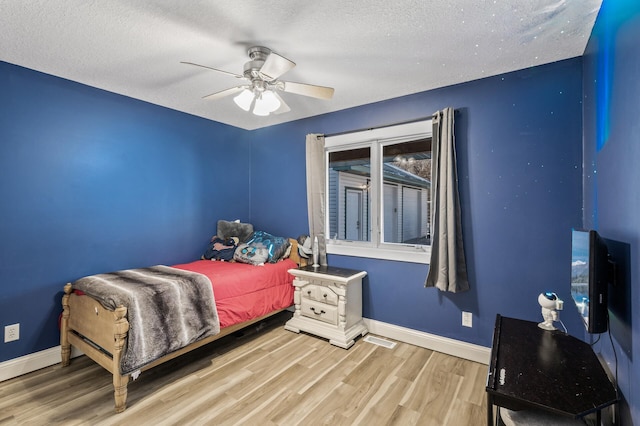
(406,172)
(349,194)
(403,205)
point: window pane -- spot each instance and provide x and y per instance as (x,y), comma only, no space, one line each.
(349,189)
(406,175)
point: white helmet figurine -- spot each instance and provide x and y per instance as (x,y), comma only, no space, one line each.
(550,304)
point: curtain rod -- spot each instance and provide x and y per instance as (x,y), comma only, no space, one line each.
(378,127)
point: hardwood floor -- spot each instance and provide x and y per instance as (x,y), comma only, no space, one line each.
(265,377)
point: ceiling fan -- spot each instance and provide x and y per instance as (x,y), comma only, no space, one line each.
(260,93)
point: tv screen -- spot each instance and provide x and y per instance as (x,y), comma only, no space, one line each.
(590,278)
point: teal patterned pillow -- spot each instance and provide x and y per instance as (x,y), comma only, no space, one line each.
(276,246)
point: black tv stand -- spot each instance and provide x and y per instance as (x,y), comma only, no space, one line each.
(531,368)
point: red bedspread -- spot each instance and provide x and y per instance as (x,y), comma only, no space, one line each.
(243,292)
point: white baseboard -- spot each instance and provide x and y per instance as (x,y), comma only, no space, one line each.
(32,362)
(434,342)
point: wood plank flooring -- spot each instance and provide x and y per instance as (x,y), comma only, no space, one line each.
(266,376)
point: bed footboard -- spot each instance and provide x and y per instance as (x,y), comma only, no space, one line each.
(98,332)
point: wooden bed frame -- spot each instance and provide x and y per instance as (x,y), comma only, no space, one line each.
(101,334)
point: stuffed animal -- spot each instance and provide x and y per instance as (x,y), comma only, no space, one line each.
(221,249)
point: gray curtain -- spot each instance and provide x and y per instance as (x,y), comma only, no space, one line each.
(316,182)
(447,268)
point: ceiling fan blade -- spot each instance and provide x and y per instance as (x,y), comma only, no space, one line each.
(226,92)
(283,105)
(311,90)
(275,66)
(213,69)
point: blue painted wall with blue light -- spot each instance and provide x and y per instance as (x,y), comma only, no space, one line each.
(93,182)
(612,200)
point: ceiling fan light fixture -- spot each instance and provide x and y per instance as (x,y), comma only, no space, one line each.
(244,99)
(266,103)
(263,72)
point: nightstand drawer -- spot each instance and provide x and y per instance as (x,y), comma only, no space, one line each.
(310,291)
(326,295)
(320,311)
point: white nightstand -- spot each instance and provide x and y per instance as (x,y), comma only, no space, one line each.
(328,303)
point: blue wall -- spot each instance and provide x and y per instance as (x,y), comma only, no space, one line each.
(93,182)
(519,144)
(612,173)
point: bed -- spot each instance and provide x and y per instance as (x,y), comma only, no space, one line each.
(244,294)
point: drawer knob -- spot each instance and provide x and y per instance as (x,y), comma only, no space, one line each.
(308,291)
(317,313)
(325,295)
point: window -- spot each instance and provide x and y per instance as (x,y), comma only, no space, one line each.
(378,192)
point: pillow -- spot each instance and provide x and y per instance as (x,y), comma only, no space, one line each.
(220,249)
(255,254)
(276,246)
(228,229)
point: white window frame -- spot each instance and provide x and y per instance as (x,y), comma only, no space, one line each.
(375,139)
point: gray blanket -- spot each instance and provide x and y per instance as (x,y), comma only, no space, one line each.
(167,309)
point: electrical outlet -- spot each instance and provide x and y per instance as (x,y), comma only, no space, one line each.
(11,332)
(467,319)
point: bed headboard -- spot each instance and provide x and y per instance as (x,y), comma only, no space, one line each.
(295,254)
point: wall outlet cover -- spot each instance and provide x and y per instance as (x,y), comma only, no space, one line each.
(467,319)
(11,332)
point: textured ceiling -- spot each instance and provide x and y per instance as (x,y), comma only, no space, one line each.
(368,50)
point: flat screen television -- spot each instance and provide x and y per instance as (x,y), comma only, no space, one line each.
(591,274)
